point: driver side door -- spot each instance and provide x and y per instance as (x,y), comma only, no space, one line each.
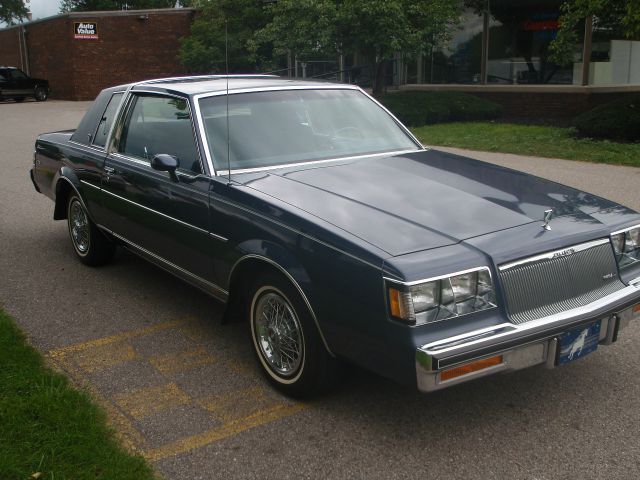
(165,219)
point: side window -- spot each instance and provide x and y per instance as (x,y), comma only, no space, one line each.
(19,74)
(100,138)
(157,124)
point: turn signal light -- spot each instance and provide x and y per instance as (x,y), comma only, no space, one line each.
(399,303)
(471,367)
(636,308)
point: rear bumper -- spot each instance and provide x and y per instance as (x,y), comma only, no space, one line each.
(520,346)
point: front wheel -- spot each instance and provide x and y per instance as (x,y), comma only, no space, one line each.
(89,243)
(286,340)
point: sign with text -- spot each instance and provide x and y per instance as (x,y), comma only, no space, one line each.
(85,30)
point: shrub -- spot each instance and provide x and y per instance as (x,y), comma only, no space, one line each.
(422,108)
(616,120)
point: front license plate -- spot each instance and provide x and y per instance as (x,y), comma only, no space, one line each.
(578,342)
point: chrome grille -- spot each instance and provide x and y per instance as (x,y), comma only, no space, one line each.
(557,281)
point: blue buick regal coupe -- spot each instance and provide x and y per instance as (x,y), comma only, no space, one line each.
(319,219)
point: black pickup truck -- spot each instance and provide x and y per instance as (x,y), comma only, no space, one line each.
(16,84)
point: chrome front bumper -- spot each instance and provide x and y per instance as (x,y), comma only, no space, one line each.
(523,345)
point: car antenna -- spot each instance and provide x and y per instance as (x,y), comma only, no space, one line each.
(226,63)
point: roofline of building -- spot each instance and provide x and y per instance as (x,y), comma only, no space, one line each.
(105,13)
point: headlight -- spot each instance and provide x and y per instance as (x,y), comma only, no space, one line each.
(626,245)
(441,298)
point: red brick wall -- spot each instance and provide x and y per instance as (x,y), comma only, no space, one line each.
(129,49)
(50,55)
(556,107)
(557,104)
(10,48)
(538,105)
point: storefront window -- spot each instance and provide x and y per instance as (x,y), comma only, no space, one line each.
(615,60)
(459,60)
(520,35)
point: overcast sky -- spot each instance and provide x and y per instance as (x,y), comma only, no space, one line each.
(43,8)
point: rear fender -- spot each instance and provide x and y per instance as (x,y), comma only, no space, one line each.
(66,182)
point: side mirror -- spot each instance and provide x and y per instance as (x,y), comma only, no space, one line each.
(166,163)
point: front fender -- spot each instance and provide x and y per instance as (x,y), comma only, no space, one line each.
(276,255)
(285,262)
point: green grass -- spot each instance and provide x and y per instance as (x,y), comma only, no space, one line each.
(47,426)
(541,141)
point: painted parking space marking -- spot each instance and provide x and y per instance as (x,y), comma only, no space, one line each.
(238,404)
(148,401)
(176,362)
(229,429)
(78,347)
(105,356)
(145,393)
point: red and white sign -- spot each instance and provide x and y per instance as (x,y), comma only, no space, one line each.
(85,30)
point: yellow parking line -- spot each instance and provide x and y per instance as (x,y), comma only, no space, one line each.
(177,362)
(147,401)
(239,404)
(118,337)
(230,429)
(240,411)
(104,356)
(128,435)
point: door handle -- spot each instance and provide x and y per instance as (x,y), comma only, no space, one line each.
(109,170)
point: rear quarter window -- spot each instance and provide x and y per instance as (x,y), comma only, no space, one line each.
(104,125)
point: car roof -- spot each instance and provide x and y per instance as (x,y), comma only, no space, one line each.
(218,83)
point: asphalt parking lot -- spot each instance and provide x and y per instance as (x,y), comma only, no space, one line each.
(183,389)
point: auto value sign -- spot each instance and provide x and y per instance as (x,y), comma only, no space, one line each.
(85,30)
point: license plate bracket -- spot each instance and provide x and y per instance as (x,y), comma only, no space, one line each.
(578,342)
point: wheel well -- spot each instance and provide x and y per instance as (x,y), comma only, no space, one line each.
(63,191)
(239,284)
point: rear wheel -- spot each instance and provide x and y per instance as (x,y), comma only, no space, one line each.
(41,94)
(286,340)
(89,243)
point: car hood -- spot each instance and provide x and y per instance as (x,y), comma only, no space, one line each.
(422,200)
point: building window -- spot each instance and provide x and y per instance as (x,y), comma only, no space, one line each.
(459,60)
(520,35)
(615,60)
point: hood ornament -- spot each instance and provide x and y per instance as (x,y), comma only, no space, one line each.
(548,215)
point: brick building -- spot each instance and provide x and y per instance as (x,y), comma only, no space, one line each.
(79,61)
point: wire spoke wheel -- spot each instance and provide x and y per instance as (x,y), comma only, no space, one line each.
(79,227)
(278,333)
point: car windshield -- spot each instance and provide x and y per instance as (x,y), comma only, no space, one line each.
(292,126)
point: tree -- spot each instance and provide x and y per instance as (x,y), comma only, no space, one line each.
(12,10)
(204,50)
(306,27)
(97,5)
(619,15)
(375,29)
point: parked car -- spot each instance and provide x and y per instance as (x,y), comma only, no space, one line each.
(16,84)
(315,215)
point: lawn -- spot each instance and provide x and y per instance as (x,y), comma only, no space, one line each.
(48,427)
(541,141)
